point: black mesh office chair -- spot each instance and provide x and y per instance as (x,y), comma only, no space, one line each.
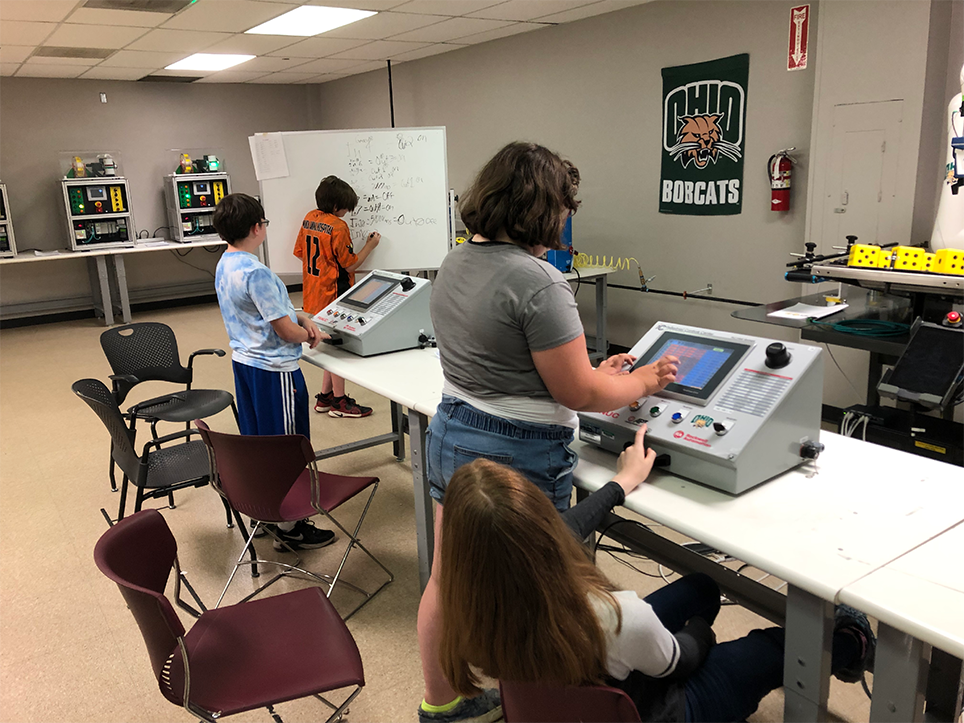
(147,351)
(166,464)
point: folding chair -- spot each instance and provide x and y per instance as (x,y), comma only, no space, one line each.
(236,658)
(274,479)
(147,351)
(162,467)
(541,703)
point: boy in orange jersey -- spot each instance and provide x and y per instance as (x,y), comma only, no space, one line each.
(328,265)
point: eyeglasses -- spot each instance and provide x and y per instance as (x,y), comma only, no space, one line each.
(265,222)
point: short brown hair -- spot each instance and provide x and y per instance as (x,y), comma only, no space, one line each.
(235,215)
(523,191)
(514,586)
(333,194)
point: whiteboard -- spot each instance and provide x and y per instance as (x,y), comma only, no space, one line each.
(399,174)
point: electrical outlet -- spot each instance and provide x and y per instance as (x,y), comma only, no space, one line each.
(103,97)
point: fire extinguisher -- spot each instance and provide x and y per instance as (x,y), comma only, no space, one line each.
(779,170)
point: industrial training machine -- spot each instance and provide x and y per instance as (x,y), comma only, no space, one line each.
(383,312)
(191,192)
(97,200)
(742,409)
(8,244)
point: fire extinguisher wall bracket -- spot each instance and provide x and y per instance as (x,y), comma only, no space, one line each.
(779,171)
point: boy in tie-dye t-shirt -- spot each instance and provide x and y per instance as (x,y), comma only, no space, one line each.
(266,334)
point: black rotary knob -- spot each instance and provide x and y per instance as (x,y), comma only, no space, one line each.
(777,356)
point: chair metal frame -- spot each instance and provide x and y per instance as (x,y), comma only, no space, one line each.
(289,569)
(339,710)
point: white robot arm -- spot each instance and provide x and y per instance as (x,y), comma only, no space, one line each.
(949,225)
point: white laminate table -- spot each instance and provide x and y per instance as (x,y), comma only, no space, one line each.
(820,528)
(919,600)
(599,277)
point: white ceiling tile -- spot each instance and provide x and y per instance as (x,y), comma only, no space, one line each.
(599,8)
(268,64)
(366,67)
(69,35)
(49,71)
(528,9)
(379,50)
(382,25)
(16,32)
(452,8)
(251,44)
(8,68)
(318,47)
(284,78)
(89,62)
(188,41)
(451,29)
(425,52)
(141,59)
(182,73)
(328,77)
(327,65)
(99,16)
(376,5)
(504,32)
(227,15)
(102,73)
(52,11)
(15,53)
(232,76)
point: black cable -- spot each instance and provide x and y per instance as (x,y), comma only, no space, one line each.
(196,268)
(684,295)
(154,235)
(391,93)
(578,281)
(864,327)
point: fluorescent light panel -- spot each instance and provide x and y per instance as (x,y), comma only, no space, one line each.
(209,61)
(310,20)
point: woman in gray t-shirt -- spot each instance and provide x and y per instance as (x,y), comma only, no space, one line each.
(514,358)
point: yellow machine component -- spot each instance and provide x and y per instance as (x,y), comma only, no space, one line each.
(909,258)
(585,261)
(868,256)
(116,199)
(948,261)
(218,191)
(928,261)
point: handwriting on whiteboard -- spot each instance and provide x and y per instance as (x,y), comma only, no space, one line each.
(386,191)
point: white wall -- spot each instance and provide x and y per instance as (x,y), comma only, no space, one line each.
(592,91)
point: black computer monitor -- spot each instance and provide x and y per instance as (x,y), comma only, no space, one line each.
(369,292)
(929,371)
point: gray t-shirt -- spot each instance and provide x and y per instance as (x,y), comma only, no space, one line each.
(492,304)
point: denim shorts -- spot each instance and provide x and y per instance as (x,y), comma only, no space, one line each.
(459,433)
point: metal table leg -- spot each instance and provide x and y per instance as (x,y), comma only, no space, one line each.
(806,662)
(398,428)
(424,515)
(100,287)
(602,343)
(120,276)
(900,676)
(945,687)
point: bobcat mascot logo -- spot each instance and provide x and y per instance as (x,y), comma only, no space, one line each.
(699,140)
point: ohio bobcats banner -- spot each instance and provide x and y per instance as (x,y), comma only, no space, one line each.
(704,122)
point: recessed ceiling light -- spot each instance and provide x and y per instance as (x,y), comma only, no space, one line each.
(209,61)
(310,20)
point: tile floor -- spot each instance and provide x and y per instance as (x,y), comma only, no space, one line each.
(69,649)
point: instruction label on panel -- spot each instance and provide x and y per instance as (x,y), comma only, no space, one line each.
(704,118)
(799,38)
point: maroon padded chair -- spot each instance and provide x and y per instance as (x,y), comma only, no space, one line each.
(540,703)
(236,658)
(274,478)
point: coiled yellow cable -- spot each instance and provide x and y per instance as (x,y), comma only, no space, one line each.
(617,263)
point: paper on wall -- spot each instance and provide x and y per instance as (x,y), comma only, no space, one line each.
(268,155)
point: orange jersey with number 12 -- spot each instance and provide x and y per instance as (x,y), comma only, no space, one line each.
(323,245)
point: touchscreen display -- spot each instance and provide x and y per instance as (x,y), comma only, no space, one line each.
(369,292)
(703,363)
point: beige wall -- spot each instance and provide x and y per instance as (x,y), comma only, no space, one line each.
(39,117)
(592,91)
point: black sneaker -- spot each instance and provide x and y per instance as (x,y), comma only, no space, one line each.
(855,622)
(303,536)
(347,407)
(484,708)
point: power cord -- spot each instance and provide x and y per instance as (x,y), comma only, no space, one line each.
(840,369)
(178,256)
(864,327)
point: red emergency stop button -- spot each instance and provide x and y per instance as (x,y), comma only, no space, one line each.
(953,318)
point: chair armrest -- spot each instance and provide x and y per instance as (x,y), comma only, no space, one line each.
(183,434)
(121,384)
(203,352)
(136,409)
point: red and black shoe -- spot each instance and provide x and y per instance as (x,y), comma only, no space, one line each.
(323,402)
(347,407)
